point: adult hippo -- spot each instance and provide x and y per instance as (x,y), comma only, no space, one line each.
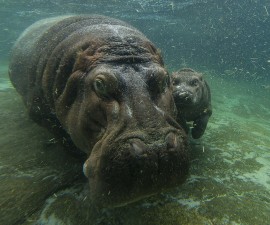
(102,84)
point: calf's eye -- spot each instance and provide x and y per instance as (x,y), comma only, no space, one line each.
(194,82)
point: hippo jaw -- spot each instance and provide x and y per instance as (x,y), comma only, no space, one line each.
(135,165)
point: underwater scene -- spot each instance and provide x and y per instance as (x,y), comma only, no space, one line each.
(228,182)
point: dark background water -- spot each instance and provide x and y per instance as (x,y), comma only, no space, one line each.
(231,37)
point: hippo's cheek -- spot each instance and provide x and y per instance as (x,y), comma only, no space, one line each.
(133,170)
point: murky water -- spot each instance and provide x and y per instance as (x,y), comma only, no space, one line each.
(229,180)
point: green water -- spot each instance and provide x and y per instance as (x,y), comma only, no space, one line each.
(229,181)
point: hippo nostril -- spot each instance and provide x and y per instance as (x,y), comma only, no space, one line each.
(137,147)
(183,94)
(171,140)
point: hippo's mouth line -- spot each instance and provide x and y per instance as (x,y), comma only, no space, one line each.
(131,135)
(143,136)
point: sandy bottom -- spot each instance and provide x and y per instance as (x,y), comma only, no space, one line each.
(229,179)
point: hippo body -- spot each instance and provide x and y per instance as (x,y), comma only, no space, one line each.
(101,83)
(193,100)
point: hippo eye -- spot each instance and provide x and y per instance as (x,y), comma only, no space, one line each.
(158,85)
(100,87)
(194,82)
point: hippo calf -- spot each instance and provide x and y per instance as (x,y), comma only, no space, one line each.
(102,84)
(193,100)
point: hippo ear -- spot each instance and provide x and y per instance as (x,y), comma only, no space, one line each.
(174,74)
(156,53)
(83,62)
(86,59)
(175,79)
(71,90)
(159,57)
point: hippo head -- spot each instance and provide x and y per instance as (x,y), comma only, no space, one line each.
(188,88)
(118,107)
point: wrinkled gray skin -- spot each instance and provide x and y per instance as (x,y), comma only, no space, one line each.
(101,85)
(193,100)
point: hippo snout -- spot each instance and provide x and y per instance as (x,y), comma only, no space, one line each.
(138,168)
(183,97)
(139,148)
